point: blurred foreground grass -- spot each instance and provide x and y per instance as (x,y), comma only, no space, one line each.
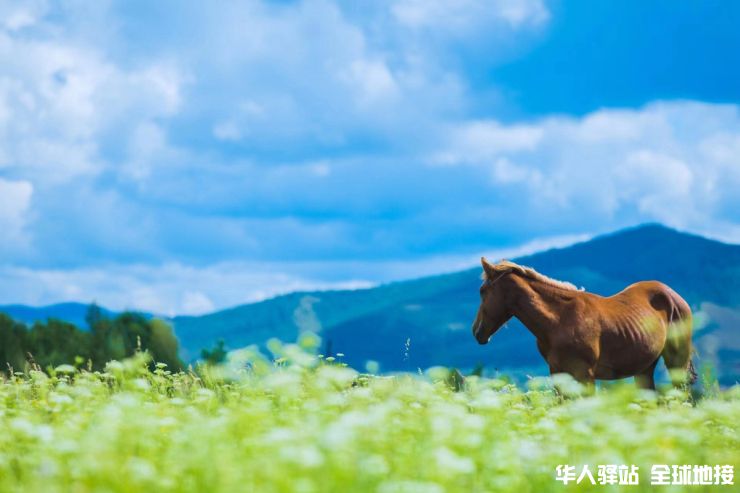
(305,426)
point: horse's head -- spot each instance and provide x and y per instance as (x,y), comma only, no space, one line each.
(493,311)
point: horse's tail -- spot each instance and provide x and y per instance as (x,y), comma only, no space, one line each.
(692,372)
(678,350)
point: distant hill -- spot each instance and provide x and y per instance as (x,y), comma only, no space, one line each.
(69,312)
(434,313)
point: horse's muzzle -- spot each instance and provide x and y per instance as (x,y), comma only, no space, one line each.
(479,332)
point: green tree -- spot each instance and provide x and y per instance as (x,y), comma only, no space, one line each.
(13,341)
(122,336)
(94,315)
(100,330)
(56,342)
(130,332)
(216,355)
(163,344)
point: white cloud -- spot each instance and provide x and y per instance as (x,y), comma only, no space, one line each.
(320,72)
(196,302)
(481,140)
(662,162)
(657,182)
(227,130)
(464,15)
(521,12)
(15,201)
(177,289)
(72,93)
(269,130)
(159,86)
(506,172)
(18,14)
(373,81)
(60,102)
(147,147)
(321,168)
(162,289)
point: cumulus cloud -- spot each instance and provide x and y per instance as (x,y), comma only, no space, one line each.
(168,289)
(15,200)
(259,147)
(373,80)
(370,220)
(462,16)
(15,15)
(176,289)
(661,162)
(61,103)
(326,84)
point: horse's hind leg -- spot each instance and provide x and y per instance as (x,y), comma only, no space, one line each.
(646,378)
(677,347)
(677,357)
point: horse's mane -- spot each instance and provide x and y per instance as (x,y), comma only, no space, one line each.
(529,272)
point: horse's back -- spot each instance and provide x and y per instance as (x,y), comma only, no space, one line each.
(659,296)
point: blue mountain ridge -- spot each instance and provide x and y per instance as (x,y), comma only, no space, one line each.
(71,312)
(425,322)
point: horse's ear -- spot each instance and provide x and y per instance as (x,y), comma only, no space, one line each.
(510,266)
(488,268)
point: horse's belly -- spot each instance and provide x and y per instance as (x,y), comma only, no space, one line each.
(629,351)
(609,371)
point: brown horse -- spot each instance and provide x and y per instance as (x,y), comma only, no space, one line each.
(587,335)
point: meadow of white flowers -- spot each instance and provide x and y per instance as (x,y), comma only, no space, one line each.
(302,424)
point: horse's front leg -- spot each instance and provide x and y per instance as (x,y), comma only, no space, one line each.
(583,370)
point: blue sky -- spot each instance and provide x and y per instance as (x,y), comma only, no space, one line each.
(181,156)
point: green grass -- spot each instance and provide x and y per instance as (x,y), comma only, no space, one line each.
(301,425)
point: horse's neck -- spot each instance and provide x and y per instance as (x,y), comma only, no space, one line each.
(535,305)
